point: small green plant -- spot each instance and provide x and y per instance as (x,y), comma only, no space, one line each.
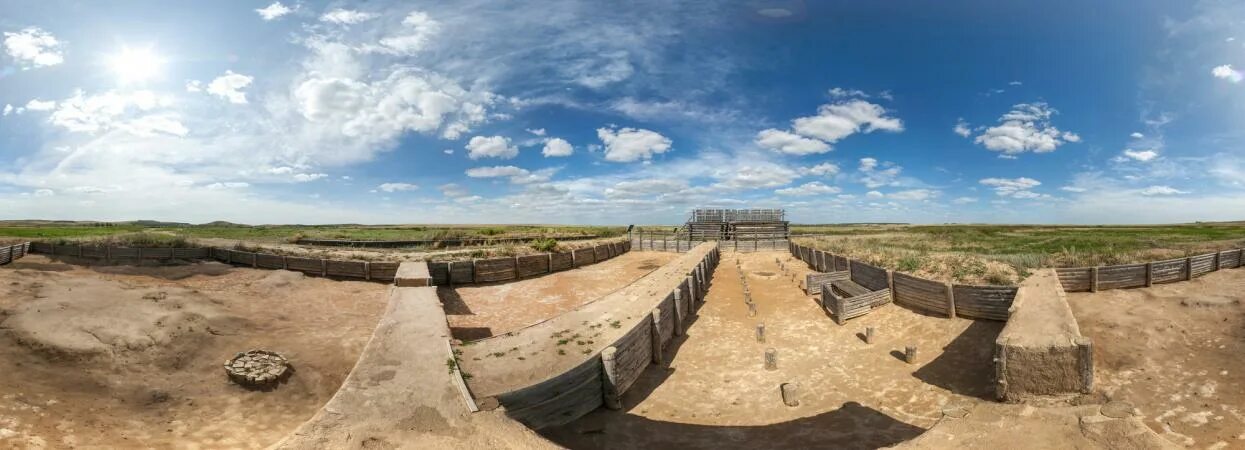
(451,364)
(615,324)
(547,245)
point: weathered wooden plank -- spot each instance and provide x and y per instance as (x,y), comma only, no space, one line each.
(1122,276)
(496,269)
(440,272)
(383,270)
(462,272)
(353,269)
(635,352)
(584,256)
(561,261)
(869,276)
(527,266)
(267,261)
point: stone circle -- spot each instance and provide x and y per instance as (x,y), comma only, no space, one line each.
(257,368)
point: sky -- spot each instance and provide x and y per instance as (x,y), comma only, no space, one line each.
(589,112)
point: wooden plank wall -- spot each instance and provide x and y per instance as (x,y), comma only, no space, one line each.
(13,252)
(871,277)
(922,294)
(572,394)
(1084,279)
(983,302)
(494,270)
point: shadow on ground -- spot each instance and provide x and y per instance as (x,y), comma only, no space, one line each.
(966,365)
(852,426)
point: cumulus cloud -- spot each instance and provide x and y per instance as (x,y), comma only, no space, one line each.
(806,189)
(453,190)
(961,128)
(491,147)
(1136,135)
(273,11)
(229,86)
(644,187)
(838,92)
(632,144)
(418,29)
(914,194)
(397,187)
(823,170)
(346,16)
(1226,72)
(1013,187)
(39,105)
(875,174)
(1026,128)
(790,143)
(227,185)
(1137,155)
(557,147)
(964,200)
(306,177)
(1162,190)
(1073,189)
(836,121)
(101,112)
(32,47)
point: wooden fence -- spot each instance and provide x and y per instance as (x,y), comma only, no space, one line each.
(491,270)
(13,252)
(1094,279)
(683,245)
(380,271)
(936,297)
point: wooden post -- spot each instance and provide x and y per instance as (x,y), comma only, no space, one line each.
(1188,269)
(760,332)
(1149,274)
(656,331)
(790,394)
(1216,266)
(868,335)
(771,359)
(1093,279)
(324,267)
(367,270)
(285,262)
(910,354)
(950,300)
(612,398)
(680,315)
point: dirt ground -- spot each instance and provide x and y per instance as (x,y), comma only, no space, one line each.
(119,356)
(477,312)
(1174,351)
(716,393)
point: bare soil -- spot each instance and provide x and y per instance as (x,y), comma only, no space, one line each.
(1174,351)
(118,356)
(716,393)
(477,312)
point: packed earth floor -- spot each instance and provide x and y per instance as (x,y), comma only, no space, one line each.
(1174,351)
(125,357)
(480,311)
(716,393)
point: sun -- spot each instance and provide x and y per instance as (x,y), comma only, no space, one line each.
(135,65)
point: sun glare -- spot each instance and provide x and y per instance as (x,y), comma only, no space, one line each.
(135,65)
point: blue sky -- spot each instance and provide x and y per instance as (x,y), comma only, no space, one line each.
(604,113)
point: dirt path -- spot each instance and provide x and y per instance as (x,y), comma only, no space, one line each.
(116,356)
(477,312)
(716,393)
(1174,351)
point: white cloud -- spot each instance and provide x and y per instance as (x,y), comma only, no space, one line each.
(1073,189)
(1136,135)
(806,189)
(1013,187)
(964,200)
(1226,72)
(306,177)
(273,11)
(92,113)
(557,147)
(836,121)
(228,185)
(842,93)
(610,68)
(961,128)
(153,124)
(751,174)
(1014,83)
(1162,190)
(874,174)
(453,190)
(790,143)
(536,131)
(43,193)
(229,86)
(517,175)
(8,109)
(914,194)
(1027,127)
(418,29)
(397,187)
(39,105)
(644,188)
(346,16)
(491,147)
(823,170)
(632,144)
(1138,155)
(874,194)
(32,48)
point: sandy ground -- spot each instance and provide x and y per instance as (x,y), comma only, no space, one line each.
(477,312)
(117,356)
(1174,351)
(717,394)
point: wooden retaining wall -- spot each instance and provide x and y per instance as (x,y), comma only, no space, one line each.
(492,270)
(1093,279)
(572,394)
(13,252)
(936,297)
(110,253)
(683,245)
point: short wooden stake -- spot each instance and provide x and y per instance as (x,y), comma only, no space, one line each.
(1093,279)
(612,398)
(771,359)
(950,300)
(868,335)
(790,394)
(1188,269)
(1149,274)
(910,354)
(760,332)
